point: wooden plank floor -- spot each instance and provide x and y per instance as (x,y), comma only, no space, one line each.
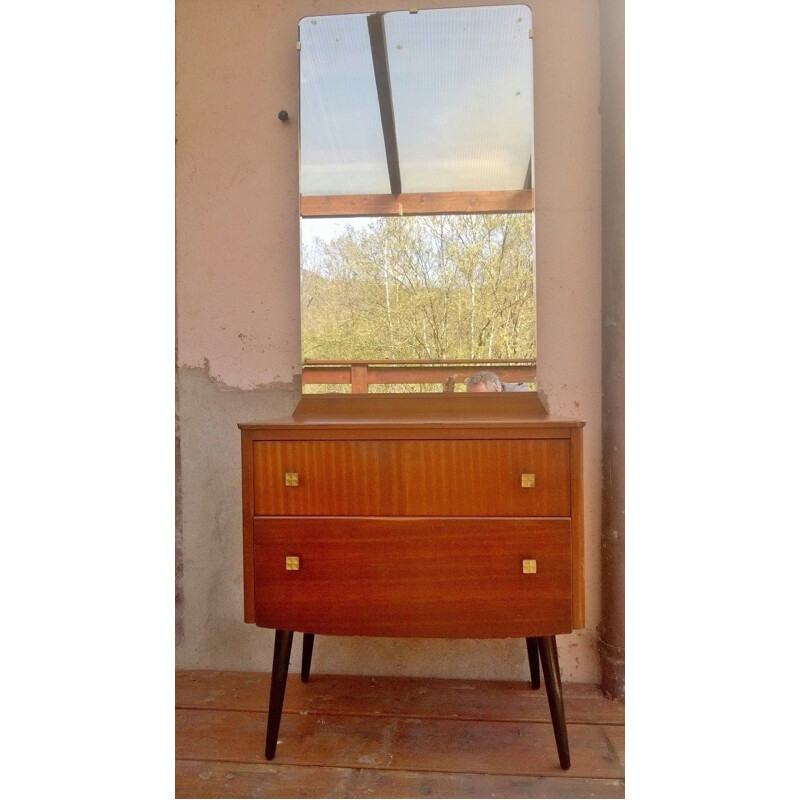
(354,736)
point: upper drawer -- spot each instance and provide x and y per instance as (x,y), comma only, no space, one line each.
(412,478)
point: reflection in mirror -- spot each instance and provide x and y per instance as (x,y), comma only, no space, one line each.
(416,132)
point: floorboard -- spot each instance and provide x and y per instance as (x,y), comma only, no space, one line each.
(355,736)
(226,779)
(421,697)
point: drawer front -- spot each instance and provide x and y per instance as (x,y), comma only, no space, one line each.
(440,577)
(413,477)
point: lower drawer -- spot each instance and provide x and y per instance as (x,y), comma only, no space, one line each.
(426,577)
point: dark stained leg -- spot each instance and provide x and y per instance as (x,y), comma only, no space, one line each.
(277,689)
(552,681)
(533,660)
(308,648)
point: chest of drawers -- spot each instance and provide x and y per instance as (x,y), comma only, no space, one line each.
(452,516)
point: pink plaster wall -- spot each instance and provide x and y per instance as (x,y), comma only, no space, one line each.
(238,308)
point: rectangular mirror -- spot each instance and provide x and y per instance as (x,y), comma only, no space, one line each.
(417,204)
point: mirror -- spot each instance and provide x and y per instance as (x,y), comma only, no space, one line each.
(416,136)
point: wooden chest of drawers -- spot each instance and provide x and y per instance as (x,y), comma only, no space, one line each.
(455,516)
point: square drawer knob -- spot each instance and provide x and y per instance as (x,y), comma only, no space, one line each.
(529,566)
(528,480)
(292,562)
(292,479)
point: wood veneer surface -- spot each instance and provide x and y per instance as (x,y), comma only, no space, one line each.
(439,577)
(385,410)
(411,456)
(453,477)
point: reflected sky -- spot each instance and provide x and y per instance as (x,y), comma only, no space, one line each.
(462,90)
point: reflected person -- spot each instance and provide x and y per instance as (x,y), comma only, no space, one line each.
(489,382)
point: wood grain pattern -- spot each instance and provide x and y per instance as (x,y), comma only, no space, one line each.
(222,757)
(440,577)
(500,748)
(385,696)
(218,779)
(370,468)
(416,478)
(463,408)
(247,525)
(358,432)
(578,576)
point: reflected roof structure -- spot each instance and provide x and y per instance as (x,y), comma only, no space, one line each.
(404,104)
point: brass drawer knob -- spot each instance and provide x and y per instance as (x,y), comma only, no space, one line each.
(292,479)
(528,480)
(528,566)
(292,562)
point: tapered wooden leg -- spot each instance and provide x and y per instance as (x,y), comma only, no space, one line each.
(533,660)
(308,648)
(277,689)
(552,681)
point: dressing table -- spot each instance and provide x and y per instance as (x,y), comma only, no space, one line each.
(415,515)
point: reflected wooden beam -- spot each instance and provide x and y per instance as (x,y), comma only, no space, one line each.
(380,64)
(362,374)
(387,205)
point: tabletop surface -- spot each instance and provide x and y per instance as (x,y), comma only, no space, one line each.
(460,409)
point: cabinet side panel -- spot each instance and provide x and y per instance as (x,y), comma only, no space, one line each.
(247,527)
(578,577)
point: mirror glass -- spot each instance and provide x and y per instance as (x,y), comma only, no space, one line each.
(417,224)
